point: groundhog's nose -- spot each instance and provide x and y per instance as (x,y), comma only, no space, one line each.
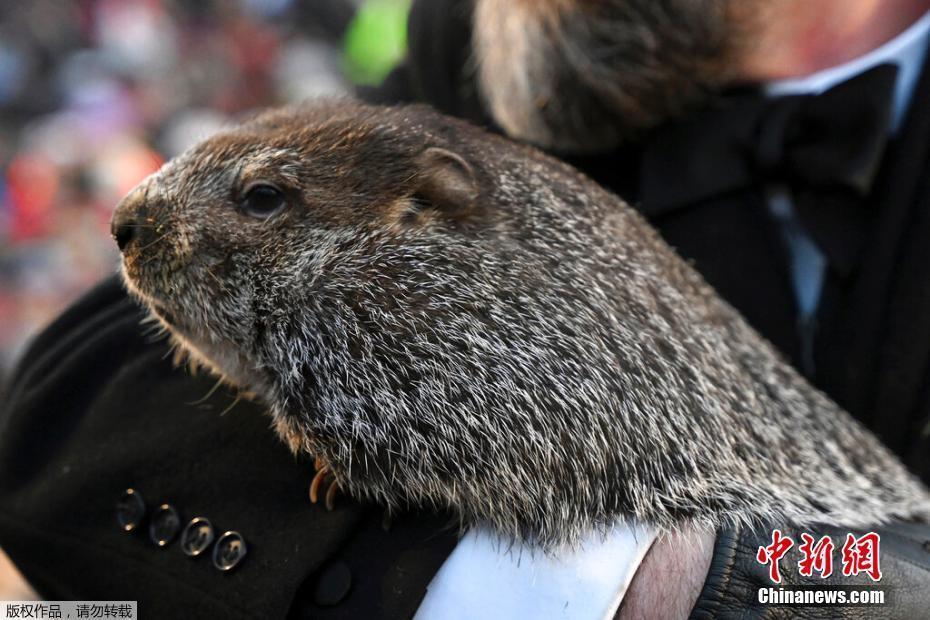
(122,232)
(125,223)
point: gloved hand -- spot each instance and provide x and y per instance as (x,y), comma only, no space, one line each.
(732,587)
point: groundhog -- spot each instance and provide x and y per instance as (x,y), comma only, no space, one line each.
(449,319)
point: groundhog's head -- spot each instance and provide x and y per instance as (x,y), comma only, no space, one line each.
(226,243)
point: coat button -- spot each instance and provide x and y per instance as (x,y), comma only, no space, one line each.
(130,510)
(229,551)
(333,584)
(197,536)
(164,525)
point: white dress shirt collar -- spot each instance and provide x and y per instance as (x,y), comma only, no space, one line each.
(907,50)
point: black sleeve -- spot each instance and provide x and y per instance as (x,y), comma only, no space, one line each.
(731,589)
(96,407)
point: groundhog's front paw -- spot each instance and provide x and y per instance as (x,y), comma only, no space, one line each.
(324,476)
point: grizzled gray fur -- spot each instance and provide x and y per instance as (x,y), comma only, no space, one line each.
(451,319)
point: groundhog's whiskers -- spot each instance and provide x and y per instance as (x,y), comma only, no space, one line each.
(206,396)
(220,283)
(152,243)
(233,404)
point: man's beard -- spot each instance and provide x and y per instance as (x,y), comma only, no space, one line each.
(584,75)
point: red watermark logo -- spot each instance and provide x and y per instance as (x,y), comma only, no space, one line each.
(858,555)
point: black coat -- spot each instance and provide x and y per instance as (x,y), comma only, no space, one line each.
(95,407)
(872,330)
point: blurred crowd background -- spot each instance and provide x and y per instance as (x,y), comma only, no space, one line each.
(96,94)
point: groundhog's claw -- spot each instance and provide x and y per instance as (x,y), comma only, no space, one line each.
(322,473)
(331,495)
(318,480)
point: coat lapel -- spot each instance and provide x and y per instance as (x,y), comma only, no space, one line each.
(874,348)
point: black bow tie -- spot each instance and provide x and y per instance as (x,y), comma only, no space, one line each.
(826,149)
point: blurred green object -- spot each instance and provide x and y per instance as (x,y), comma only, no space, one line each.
(376,40)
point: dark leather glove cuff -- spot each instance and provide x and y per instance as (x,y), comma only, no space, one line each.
(731,589)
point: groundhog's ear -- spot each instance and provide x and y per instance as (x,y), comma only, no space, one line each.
(445,181)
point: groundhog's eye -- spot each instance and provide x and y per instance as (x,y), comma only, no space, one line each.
(263,200)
